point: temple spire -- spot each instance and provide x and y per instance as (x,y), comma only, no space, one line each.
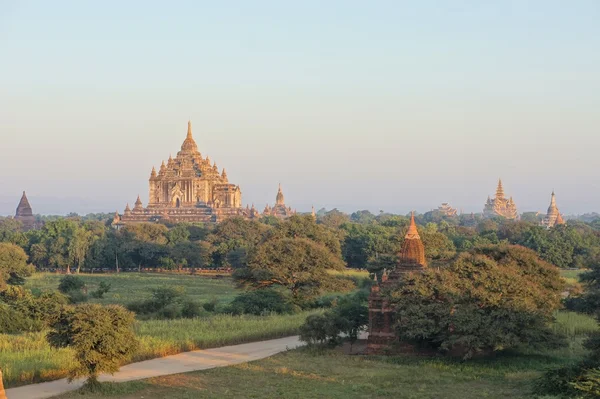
(500,190)
(412,233)
(280,199)
(189,132)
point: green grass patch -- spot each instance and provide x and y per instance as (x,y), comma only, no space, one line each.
(574,324)
(572,274)
(129,287)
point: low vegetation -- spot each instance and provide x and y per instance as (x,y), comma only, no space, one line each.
(329,373)
(28,358)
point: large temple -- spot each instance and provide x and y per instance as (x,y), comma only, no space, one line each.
(188,188)
(500,205)
(382,334)
(553,216)
(24,214)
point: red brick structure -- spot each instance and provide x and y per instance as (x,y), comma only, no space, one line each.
(381,314)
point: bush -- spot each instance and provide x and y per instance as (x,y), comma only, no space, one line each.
(13,322)
(349,317)
(76,297)
(211,305)
(103,288)
(191,309)
(261,302)
(71,283)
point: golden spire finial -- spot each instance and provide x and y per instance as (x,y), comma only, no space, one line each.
(412,232)
(189,132)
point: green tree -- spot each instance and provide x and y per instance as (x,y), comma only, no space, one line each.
(298,264)
(13,265)
(101,338)
(490,299)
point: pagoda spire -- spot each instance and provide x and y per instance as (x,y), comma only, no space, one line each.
(413,251)
(500,190)
(189,132)
(412,233)
(280,199)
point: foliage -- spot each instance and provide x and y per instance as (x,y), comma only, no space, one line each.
(297,264)
(71,283)
(348,318)
(101,337)
(491,299)
(261,302)
(103,288)
(13,265)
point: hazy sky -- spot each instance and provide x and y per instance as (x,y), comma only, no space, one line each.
(392,105)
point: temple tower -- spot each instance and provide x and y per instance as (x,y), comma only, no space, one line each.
(553,216)
(24,213)
(500,205)
(381,314)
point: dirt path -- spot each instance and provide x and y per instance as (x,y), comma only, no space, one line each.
(181,363)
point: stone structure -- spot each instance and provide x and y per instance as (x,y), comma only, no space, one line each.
(553,216)
(500,205)
(446,210)
(24,214)
(381,314)
(280,210)
(188,188)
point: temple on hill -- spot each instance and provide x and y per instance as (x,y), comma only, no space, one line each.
(279,210)
(382,334)
(187,188)
(553,216)
(500,205)
(24,214)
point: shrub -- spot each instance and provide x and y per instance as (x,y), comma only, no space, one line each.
(260,302)
(71,283)
(101,337)
(349,317)
(211,305)
(13,322)
(191,309)
(164,296)
(102,289)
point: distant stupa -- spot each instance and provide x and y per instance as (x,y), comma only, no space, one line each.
(24,213)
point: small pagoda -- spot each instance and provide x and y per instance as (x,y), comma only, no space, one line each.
(382,334)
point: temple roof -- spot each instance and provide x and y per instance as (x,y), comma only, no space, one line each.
(24,208)
(500,189)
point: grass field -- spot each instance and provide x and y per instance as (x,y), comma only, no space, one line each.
(129,287)
(572,274)
(330,374)
(27,358)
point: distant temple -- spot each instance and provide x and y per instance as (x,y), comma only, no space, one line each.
(24,214)
(446,210)
(553,217)
(280,210)
(188,188)
(381,314)
(500,205)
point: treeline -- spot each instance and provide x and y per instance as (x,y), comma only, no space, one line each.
(359,240)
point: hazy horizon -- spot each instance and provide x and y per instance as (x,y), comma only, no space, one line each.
(388,106)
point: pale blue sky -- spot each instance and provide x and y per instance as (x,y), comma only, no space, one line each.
(393,105)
